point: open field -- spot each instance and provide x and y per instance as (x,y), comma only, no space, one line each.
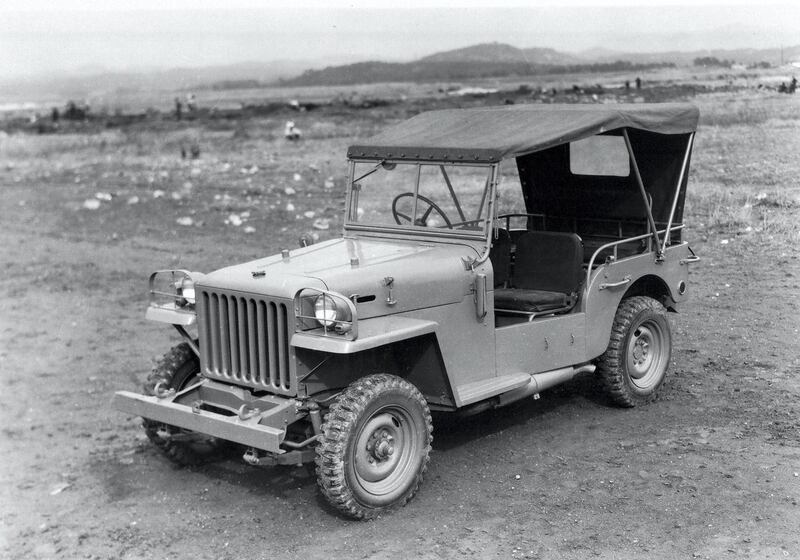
(709,470)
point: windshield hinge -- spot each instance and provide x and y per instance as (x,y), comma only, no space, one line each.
(469,263)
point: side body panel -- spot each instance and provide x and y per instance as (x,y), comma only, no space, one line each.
(600,303)
(542,344)
(466,343)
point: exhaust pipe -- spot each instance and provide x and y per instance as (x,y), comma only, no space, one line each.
(545,380)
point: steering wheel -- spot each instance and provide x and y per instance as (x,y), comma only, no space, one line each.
(401,218)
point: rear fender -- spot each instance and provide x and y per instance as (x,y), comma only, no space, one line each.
(631,277)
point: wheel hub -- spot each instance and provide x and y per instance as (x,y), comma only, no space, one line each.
(380,445)
(643,352)
(380,448)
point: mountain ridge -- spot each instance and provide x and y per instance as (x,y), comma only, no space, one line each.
(486,60)
(482,60)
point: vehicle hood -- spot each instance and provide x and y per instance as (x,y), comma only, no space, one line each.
(424,274)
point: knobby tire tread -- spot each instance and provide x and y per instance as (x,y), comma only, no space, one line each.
(168,371)
(610,366)
(337,428)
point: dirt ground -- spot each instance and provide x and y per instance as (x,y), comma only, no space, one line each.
(709,470)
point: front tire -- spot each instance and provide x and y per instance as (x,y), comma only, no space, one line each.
(635,363)
(179,368)
(375,446)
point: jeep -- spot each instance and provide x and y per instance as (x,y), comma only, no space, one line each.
(446,292)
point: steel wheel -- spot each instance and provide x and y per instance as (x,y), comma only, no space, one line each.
(645,355)
(375,446)
(384,450)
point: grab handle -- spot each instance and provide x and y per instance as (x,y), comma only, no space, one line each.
(606,285)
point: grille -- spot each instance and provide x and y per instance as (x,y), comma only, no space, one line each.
(245,339)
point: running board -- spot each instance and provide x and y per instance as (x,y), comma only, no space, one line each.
(516,386)
(480,390)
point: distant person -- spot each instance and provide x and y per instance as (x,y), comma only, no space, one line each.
(75,113)
(178,108)
(55,115)
(793,85)
(291,132)
(627,85)
(638,82)
(191,103)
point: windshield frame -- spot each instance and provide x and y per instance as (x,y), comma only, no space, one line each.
(490,189)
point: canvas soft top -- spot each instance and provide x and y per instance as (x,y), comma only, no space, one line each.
(489,134)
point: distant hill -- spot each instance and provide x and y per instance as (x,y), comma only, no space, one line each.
(494,60)
(503,53)
(489,60)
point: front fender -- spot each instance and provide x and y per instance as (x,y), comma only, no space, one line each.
(372,333)
(171,315)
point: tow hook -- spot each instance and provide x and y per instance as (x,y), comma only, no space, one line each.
(246,413)
(162,393)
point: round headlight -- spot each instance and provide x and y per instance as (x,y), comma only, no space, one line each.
(328,310)
(186,290)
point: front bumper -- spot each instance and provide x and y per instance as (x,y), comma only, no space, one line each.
(222,411)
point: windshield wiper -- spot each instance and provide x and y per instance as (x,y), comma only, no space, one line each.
(371,171)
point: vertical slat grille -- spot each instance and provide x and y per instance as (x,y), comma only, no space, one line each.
(246,340)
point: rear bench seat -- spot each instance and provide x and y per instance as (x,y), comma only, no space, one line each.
(548,269)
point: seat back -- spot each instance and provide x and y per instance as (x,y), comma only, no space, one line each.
(500,255)
(549,261)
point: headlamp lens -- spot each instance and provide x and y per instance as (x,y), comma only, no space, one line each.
(325,310)
(186,290)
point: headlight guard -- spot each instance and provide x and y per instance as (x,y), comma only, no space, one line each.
(325,313)
(173,289)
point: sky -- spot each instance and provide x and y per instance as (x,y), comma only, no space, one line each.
(41,37)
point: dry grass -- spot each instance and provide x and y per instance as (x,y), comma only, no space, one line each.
(744,170)
(744,176)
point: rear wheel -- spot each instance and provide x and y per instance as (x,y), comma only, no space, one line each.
(635,363)
(375,446)
(178,369)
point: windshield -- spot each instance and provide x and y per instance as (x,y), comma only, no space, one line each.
(421,196)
